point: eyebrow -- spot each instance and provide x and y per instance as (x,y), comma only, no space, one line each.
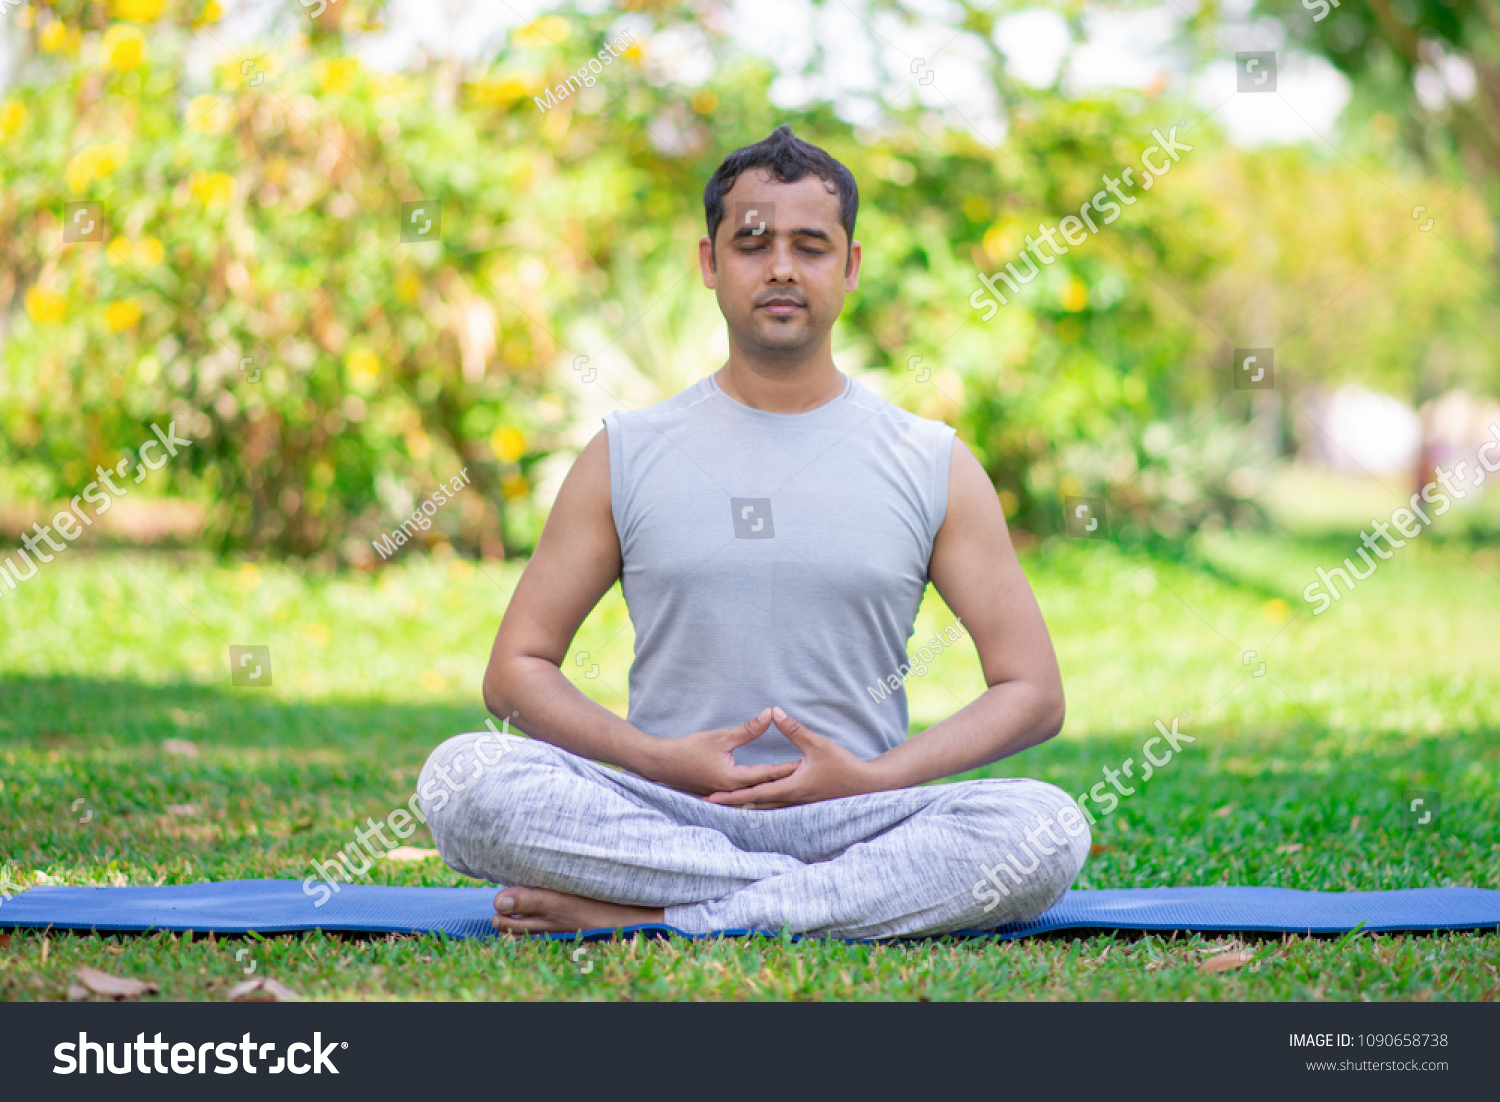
(801,231)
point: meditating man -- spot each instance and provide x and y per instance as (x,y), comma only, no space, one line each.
(774,527)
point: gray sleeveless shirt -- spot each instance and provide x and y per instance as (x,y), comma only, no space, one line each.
(775,559)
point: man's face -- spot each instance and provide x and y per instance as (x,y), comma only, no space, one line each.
(781,288)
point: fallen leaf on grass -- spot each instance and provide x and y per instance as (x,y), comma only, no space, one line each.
(4,941)
(116,987)
(410,853)
(1096,849)
(77,993)
(1232,959)
(180,746)
(1289,847)
(182,809)
(263,990)
(1225,811)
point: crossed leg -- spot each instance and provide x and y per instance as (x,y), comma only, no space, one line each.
(582,846)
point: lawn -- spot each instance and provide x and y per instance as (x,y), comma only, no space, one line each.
(116,709)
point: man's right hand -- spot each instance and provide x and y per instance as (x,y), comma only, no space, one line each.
(703,762)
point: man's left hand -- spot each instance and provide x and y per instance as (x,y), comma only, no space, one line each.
(826,772)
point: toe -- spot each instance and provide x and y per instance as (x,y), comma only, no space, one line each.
(506,924)
(515,901)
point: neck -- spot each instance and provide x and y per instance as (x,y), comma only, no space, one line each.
(777,384)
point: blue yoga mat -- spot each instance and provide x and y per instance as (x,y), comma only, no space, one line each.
(281,906)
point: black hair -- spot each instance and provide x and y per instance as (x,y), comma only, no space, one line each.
(791,159)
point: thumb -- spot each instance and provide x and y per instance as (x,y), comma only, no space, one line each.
(798,735)
(750,730)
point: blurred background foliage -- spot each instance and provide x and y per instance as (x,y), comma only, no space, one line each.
(253,284)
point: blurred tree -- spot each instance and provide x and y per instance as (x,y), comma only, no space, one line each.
(261,280)
(1433,64)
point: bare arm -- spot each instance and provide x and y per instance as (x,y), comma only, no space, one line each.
(575,562)
(975,570)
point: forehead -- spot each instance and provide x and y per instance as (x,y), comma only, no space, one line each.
(808,203)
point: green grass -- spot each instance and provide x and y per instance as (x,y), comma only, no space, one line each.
(104,659)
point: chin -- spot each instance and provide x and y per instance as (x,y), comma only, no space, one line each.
(782,336)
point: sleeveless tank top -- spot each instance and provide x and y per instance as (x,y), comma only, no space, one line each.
(775,559)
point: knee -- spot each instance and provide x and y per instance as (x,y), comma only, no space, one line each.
(1055,816)
(470,784)
(1040,837)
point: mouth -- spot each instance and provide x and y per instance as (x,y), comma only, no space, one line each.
(781,307)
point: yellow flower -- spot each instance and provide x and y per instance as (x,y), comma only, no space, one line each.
(705,100)
(1001,241)
(363,368)
(211,187)
(123,47)
(508,444)
(252,72)
(209,114)
(515,487)
(93,163)
(1075,295)
(123,315)
(149,251)
(145,252)
(336,74)
(212,12)
(408,287)
(137,11)
(387,85)
(54,36)
(12,115)
(44,306)
(490,92)
(634,52)
(549,30)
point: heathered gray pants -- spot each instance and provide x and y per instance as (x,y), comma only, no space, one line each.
(884,864)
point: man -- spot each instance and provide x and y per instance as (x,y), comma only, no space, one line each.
(774,528)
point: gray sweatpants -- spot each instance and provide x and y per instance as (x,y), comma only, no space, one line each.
(928,860)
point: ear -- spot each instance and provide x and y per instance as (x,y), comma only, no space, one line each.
(707,261)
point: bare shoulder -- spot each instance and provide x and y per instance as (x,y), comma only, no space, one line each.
(584,496)
(973,507)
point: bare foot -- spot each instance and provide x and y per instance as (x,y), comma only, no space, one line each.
(540,911)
